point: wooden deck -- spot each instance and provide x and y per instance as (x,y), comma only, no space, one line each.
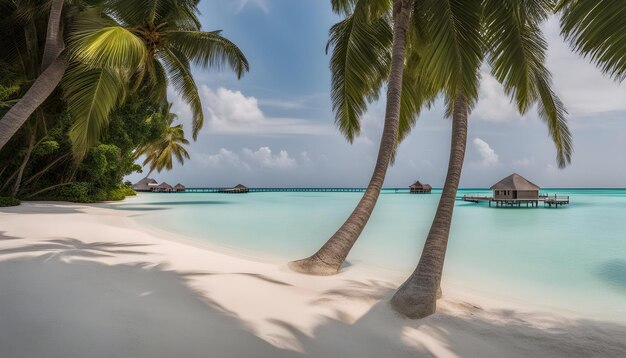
(547,200)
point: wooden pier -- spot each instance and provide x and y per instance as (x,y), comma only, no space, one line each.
(547,200)
(276,190)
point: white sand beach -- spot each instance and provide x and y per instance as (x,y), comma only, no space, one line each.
(86,281)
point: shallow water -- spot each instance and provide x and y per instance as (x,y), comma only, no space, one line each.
(573,257)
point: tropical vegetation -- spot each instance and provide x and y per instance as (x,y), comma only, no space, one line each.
(75,72)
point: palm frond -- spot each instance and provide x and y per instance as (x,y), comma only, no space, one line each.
(208,50)
(182,80)
(98,43)
(517,49)
(140,12)
(91,95)
(596,29)
(453,59)
(553,112)
(517,57)
(359,64)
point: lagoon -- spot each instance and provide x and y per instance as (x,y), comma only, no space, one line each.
(572,258)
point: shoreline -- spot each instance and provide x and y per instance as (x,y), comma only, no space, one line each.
(241,304)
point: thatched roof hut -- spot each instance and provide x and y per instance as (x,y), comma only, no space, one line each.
(179,187)
(164,187)
(144,184)
(419,188)
(515,186)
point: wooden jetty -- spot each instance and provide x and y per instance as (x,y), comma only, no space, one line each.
(547,200)
(517,191)
(276,190)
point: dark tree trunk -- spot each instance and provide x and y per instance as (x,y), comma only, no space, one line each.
(417,296)
(53,67)
(34,97)
(331,256)
(54,36)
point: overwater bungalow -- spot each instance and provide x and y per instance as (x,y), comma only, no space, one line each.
(145,184)
(515,190)
(164,188)
(237,189)
(419,188)
(515,186)
(179,188)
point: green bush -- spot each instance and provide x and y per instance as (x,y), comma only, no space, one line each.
(76,192)
(116,195)
(8,201)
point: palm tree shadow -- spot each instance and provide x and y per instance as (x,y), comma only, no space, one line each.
(70,247)
(476,333)
(83,308)
(7,237)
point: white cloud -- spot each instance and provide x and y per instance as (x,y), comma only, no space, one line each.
(261,4)
(223,158)
(488,156)
(524,163)
(231,112)
(249,159)
(493,104)
(264,157)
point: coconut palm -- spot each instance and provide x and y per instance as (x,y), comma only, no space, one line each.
(444,53)
(367,52)
(160,154)
(115,47)
(595,29)
(508,33)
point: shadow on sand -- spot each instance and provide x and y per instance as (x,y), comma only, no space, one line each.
(58,301)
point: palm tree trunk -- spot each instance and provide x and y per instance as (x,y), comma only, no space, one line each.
(52,66)
(18,180)
(54,38)
(34,97)
(331,256)
(417,296)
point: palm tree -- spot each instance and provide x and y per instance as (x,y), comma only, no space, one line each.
(160,154)
(463,32)
(366,54)
(117,47)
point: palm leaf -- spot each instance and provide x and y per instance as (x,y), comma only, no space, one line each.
(596,29)
(517,57)
(208,50)
(98,43)
(180,75)
(360,61)
(91,95)
(453,59)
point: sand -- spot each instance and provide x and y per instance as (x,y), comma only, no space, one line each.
(87,281)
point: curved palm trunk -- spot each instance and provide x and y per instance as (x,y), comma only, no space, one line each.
(54,38)
(34,97)
(53,67)
(417,296)
(331,256)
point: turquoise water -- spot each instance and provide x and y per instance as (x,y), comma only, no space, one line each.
(573,257)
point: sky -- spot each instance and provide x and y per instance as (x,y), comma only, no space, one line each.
(275,127)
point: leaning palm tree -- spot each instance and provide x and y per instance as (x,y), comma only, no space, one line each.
(116,47)
(369,51)
(508,33)
(160,153)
